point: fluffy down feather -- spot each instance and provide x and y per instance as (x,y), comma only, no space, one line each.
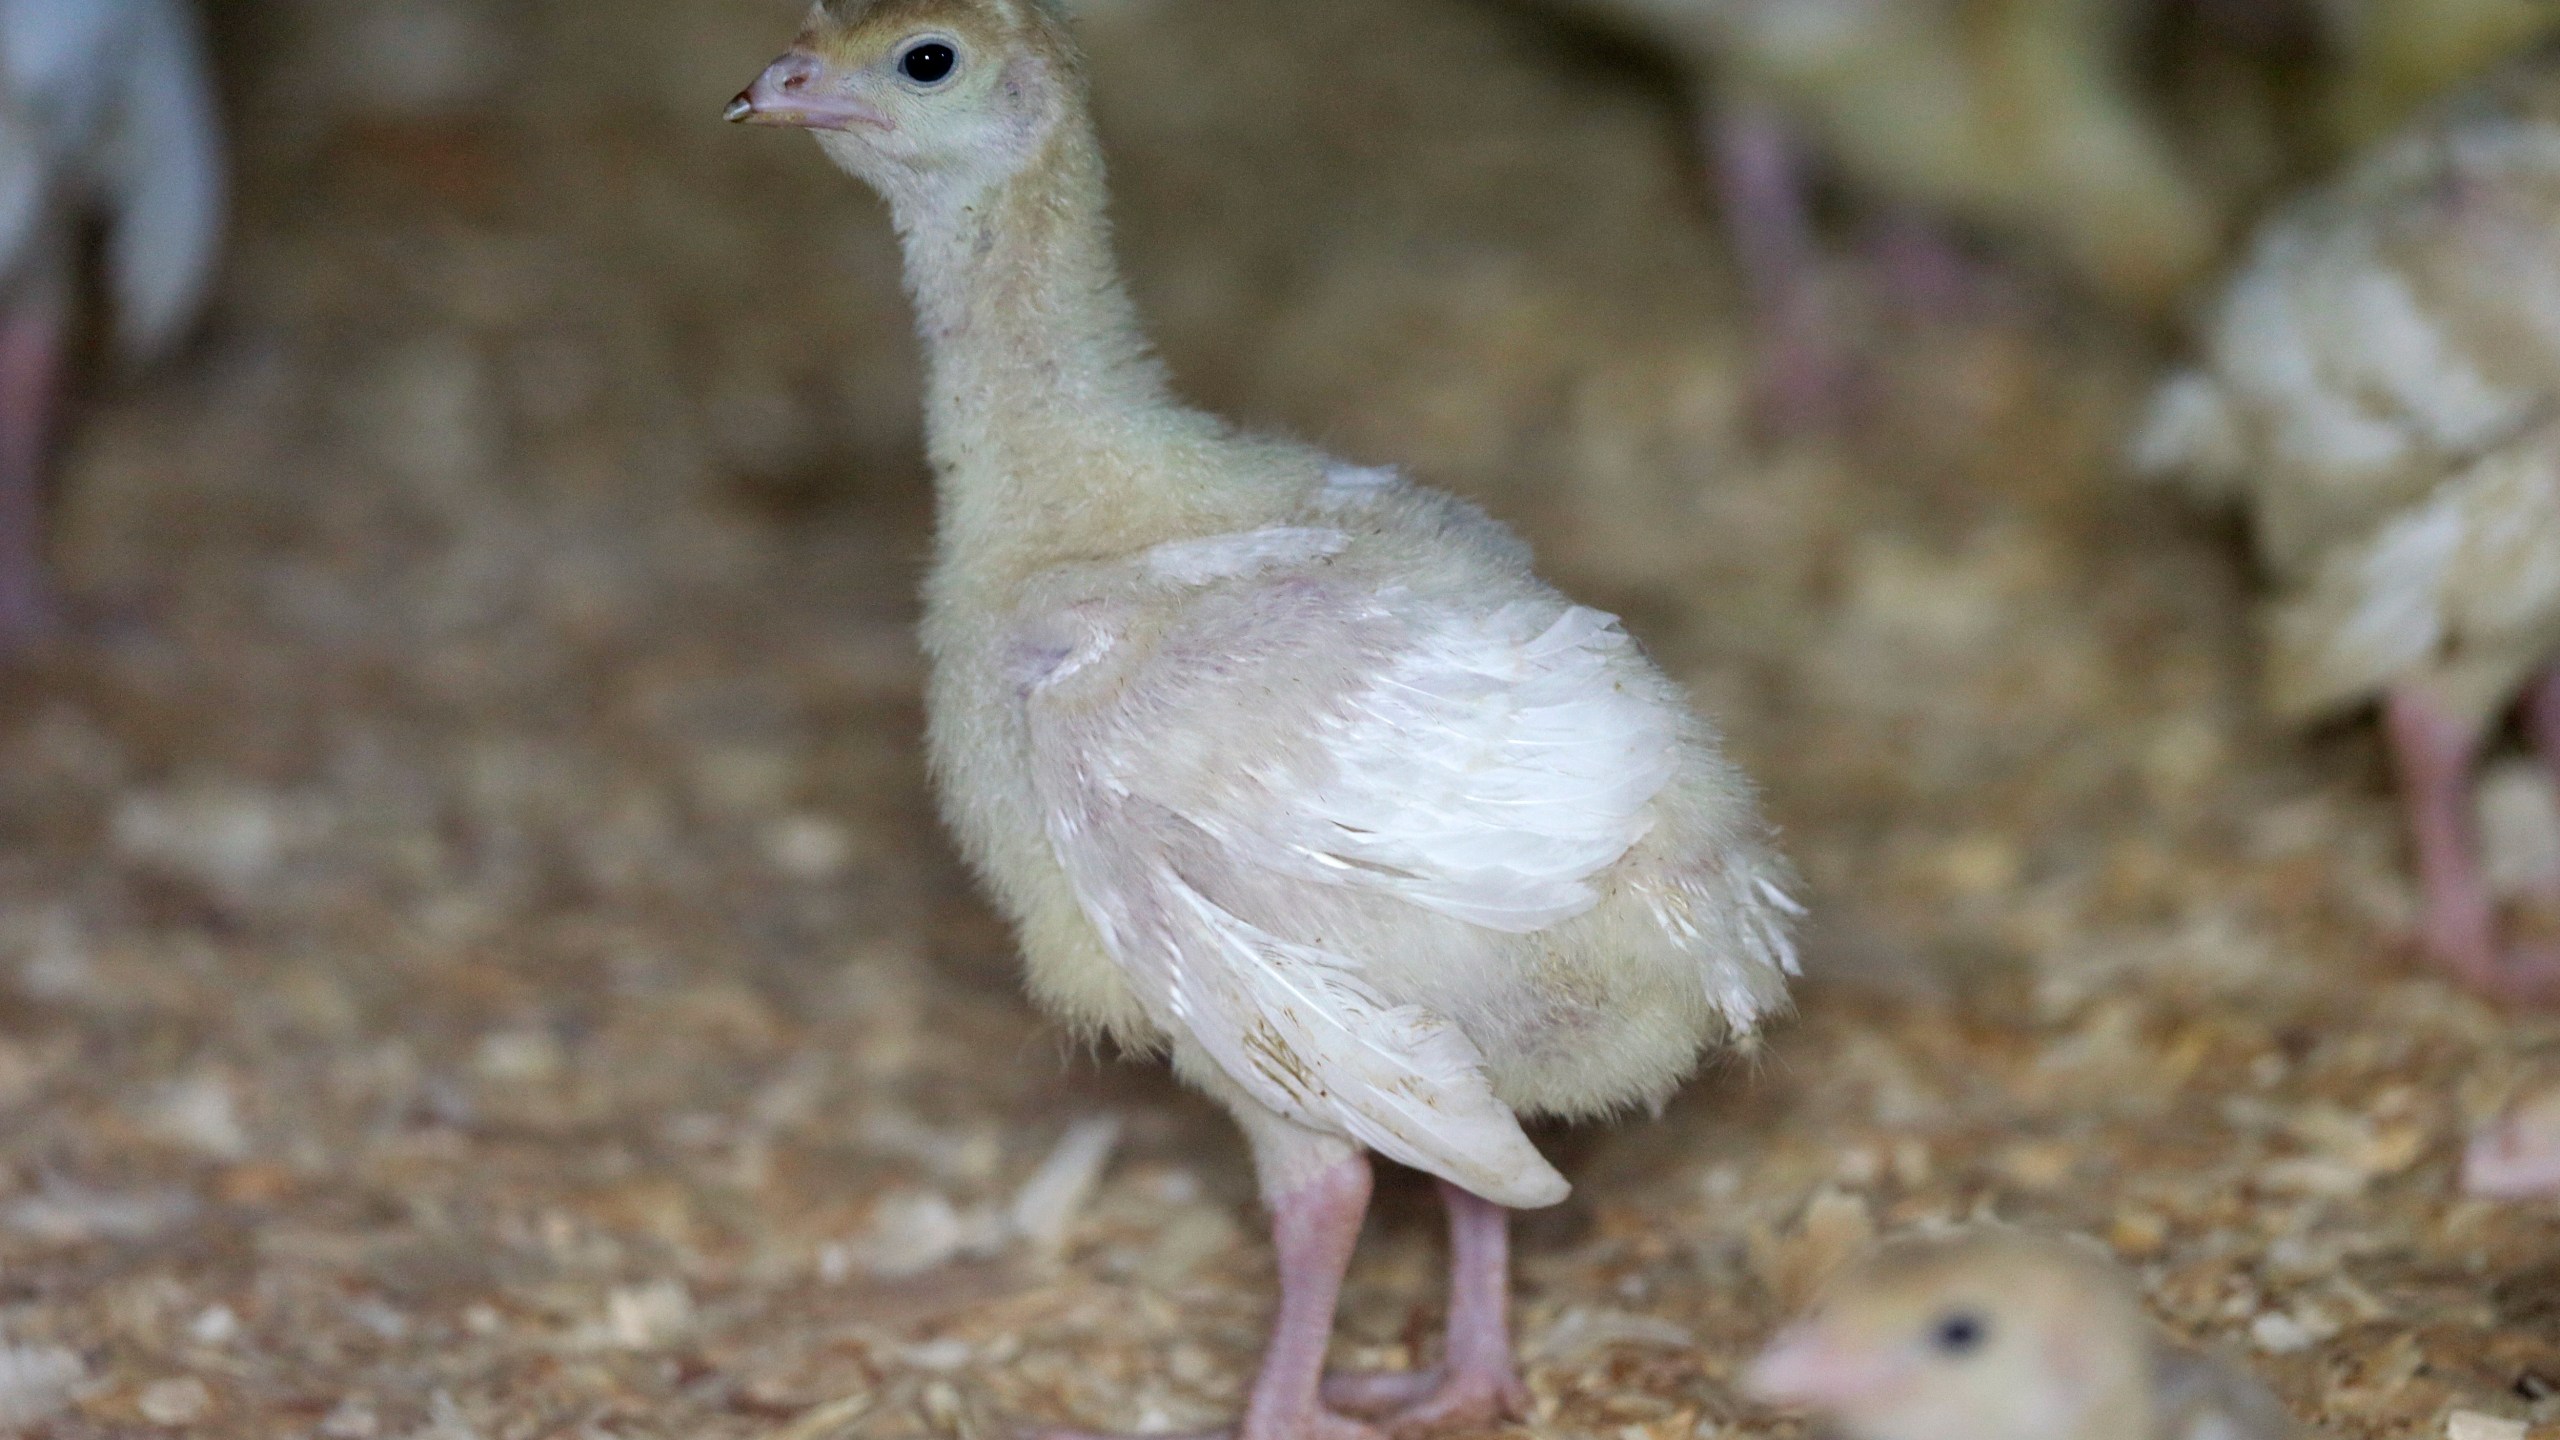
(1488,772)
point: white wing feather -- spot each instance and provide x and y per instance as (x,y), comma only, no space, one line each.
(163,174)
(2473,569)
(1296,1025)
(1299,1027)
(54,54)
(51,95)
(25,185)
(1489,773)
(1486,767)
(109,104)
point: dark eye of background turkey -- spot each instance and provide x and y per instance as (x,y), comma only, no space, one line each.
(929,63)
(1961,1333)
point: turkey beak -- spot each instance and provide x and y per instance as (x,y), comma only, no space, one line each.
(1809,1369)
(802,89)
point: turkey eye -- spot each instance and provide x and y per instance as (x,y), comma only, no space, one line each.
(930,63)
(1960,1333)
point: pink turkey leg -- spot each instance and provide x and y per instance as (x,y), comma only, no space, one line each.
(1314,1228)
(1804,376)
(2436,753)
(1927,272)
(2542,725)
(1476,1382)
(30,378)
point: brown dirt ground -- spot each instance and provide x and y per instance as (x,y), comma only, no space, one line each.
(479,961)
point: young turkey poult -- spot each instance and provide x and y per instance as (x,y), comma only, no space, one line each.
(2021,116)
(1283,766)
(106,113)
(2378,389)
(1993,1334)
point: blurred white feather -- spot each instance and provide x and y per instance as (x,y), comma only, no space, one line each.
(107,108)
(36,1382)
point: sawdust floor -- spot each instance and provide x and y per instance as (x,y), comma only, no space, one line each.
(479,960)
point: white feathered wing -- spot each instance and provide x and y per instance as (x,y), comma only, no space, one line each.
(1484,766)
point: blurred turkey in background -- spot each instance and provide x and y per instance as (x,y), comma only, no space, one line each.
(2374,388)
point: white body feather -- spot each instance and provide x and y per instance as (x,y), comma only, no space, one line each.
(107,108)
(2379,387)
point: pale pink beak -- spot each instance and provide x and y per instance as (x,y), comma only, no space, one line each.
(1805,1368)
(802,89)
(2511,1159)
